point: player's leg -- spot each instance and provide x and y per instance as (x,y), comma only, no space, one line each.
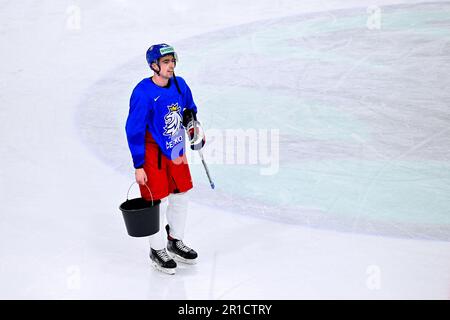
(158,254)
(180,182)
(158,189)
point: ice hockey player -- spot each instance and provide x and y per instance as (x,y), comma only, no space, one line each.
(161,108)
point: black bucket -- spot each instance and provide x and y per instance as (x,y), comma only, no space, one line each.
(141,216)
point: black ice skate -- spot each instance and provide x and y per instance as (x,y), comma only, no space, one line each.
(162,261)
(179,250)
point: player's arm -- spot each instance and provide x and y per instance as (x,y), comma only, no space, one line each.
(135,129)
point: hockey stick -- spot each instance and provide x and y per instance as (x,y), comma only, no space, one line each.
(206,169)
(194,124)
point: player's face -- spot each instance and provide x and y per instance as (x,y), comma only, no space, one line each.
(167,64)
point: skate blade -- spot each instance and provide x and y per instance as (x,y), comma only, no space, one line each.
(183,260)
(164,270)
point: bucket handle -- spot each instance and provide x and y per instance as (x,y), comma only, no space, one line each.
(151,195)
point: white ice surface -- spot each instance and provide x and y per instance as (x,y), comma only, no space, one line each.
(61,234)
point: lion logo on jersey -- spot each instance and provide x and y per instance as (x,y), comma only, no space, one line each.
(173,120)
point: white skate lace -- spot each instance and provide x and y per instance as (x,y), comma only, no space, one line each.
(163,255)
(180,245)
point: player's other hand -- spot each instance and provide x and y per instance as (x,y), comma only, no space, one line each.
(196,135)
(141,176)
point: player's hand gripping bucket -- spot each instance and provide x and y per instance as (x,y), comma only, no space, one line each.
(141,216)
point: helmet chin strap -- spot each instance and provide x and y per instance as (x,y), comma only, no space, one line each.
(156,71)
(176,83)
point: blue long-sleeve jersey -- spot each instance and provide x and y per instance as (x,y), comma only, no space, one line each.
(158,110)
